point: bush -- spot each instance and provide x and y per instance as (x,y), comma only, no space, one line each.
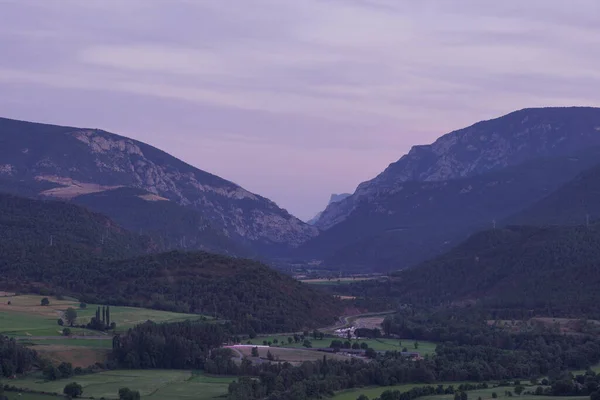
(82,305)
(66,332)
(60,322)
(45,301)
(73,390)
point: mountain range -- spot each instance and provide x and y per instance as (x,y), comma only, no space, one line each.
(509,170)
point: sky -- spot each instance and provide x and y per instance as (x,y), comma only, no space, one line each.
(293,99)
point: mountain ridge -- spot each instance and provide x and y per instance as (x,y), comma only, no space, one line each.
(457,154)
(81,161)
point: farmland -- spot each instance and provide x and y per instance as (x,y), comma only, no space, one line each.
(152,384)
(26,317)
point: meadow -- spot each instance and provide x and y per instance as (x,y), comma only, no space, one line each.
(152,384)
(26,317)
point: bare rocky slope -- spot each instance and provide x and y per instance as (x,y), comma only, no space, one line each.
(66,162)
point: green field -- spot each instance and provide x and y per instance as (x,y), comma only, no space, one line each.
(26,317)
(486,394)
(94,343)
(376,344)
(31,396)
(153,384)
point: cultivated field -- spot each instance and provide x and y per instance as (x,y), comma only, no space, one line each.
(152,384)
(26,317)
(486,394)
(31,396)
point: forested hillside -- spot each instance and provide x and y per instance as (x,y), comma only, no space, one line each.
(170,225)
(574,203)
(40,235)
(546,270)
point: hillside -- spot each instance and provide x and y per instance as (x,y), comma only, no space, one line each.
(39,235)
(548,269)
(417,220)
(250,294)
(438,194)
(66,162)
(171,226)
(574,203)
(334,198)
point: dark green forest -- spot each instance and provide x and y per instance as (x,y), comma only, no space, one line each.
(55,247)
(549,271)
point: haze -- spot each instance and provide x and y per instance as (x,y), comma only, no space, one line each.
(293,100)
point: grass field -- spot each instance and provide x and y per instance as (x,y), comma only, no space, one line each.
(26,317)
(376,344)
(486,394)
(152,384)
(72,342)
(31,396)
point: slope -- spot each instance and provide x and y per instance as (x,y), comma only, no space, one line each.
(249,294)
(398,228)
(170,225)
(553,269)
(80,161)
(574,203)
(486,146)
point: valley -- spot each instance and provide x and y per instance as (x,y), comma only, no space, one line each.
(465,270)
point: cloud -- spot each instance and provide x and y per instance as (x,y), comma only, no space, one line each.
(296,77)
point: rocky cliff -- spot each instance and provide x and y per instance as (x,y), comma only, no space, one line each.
(66,162)
(483,147)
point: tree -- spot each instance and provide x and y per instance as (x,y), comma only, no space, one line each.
(270,356)
(519,389)
(128,394)
(416,345)
(65,369)
(73,390)
(45,301)
(71,315)
(66,332)
(290,340)
(254,352)
(307,343)
(494,395)
(364,346)
(370,353)
(107,316)
(362,397)
(464,396)
(60,322)
(50,373)
(595,395)
(82,305)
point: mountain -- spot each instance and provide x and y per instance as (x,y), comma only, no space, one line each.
(40,235)
(333,199)
(553,269)
(483,147)
(169,225)
(66,162)
(437,195)
(574,203)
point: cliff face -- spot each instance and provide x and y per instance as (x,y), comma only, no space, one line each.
(483,147)
(334,198)
(66,162)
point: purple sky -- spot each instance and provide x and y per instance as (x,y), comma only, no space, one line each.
(293,99)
